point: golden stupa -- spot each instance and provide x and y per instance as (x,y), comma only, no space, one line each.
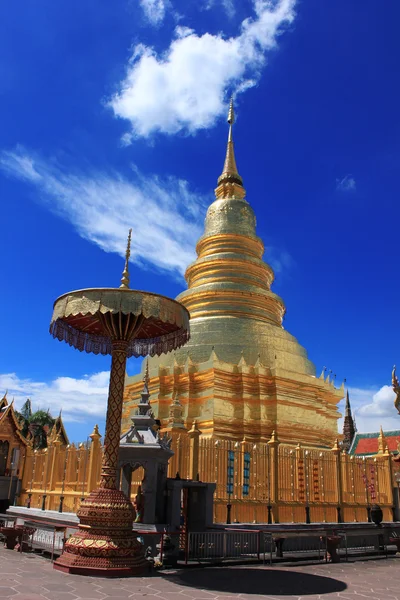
(241,375)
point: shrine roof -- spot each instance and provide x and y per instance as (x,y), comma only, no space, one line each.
(8,412)
(365,444)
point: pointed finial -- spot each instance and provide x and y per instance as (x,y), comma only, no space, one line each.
(95,435)
(3,401)
(382,443)
(395,381)
(125,273)
(230,183)
(146,374)
(231,119)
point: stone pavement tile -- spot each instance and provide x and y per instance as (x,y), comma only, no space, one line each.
(198,594)
(57,587)
(30,589)
(83,591)
(144,595)
(59,596)
(29,597)
(5,592)
(117,591)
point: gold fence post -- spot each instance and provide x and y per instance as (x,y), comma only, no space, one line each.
(389,481)
(179,457)
(53,470)
(94,453)
(339,480)
(273,446)
(194,435)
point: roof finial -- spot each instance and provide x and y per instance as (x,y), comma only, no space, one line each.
(231,119)
(146,376)
(230,183)
(125,273)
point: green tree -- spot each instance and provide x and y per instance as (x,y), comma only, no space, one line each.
(38,424)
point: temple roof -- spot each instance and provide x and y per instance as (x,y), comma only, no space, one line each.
(58,429)
(365,444)
(7,411)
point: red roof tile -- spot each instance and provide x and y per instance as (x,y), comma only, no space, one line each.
(369,445)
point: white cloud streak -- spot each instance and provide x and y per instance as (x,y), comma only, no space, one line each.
(184,89)
(81,400)
(228,5)
(346,184)
(154,10)
(166,216)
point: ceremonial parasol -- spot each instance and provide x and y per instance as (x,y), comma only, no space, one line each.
(121,322)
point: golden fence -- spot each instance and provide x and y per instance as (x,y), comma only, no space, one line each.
(262,483)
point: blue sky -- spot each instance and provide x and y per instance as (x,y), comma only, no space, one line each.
(114,115)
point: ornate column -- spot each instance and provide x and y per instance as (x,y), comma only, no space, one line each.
(114,415)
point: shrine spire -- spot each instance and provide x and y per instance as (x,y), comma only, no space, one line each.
(230,184)
(125,272)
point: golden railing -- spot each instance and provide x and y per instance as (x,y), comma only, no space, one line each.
(262,483)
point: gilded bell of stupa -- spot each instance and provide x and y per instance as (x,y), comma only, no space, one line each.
(241,375)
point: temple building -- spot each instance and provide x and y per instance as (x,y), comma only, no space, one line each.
(241,375)
(13,448)
(12,443)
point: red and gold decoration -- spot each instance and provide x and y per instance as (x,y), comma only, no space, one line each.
(121,322)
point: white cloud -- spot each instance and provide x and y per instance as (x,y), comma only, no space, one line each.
(154,10)
(166,216)
(373,407)
(346,184)
(185,88)
(280,260)
(80,399)
(228,5)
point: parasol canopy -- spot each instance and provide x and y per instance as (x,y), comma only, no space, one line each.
(91,319)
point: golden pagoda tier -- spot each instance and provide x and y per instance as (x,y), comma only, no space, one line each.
(241,375)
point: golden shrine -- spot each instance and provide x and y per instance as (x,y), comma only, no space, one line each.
(240,401)
(242,375)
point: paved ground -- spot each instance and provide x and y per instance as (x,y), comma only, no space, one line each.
(31,577)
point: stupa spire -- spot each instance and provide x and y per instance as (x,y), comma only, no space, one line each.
(349,428)
(230,184)
(125,273)
(347,407)
(144,406)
